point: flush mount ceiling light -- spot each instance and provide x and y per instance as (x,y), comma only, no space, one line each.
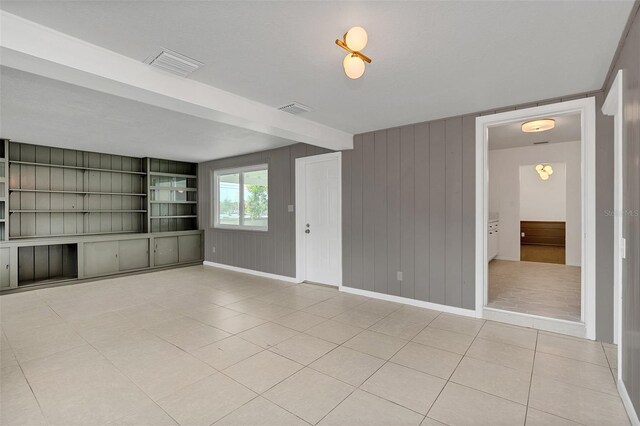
(538,125)
(353,42)
(544,171)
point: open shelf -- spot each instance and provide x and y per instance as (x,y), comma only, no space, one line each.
(76,211)
(50,191)
(47,263)
(178,175)
(62,166)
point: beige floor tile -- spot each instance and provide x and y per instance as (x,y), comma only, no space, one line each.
(262,371)
(611,352)
(445,340)
(415,314)
(582,350)
(271,312)
(138,348)
(261,411)
(213,315)
(380,307)
(197,337)
(44,341)
(92,393)
(460,405)
(303,348)
(539,418)
(18,405)
(300,321)
(309,395)
(364,409)
(165,376)
(427,359)
(347,365)
(206,401)
(267,335)
(151,415)
(334,332)
(227,352)
(376,344)
(502,354)
(238,324)
(69,358)
(398,327)
(509,334)
(495,379)
(362,319)
(327,309)
(575,372)
(575,403)
(457,324)
(175,326)
(407,387)
(428,421)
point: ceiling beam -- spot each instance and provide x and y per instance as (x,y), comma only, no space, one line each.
(33,48)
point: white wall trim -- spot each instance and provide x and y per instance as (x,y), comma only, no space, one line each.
(408,301)
(586,107)
(614,105)
(40,50)
(300,213)
(252,272)
(628,405)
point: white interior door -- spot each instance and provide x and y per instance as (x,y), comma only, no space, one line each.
(318,222)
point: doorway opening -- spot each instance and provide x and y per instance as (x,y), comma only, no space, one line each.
(535,235)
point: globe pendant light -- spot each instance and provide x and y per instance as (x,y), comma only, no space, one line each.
(353,42)
(353,66)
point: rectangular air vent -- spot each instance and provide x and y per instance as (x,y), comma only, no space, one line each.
(173,62)
(540,143)
(294,108)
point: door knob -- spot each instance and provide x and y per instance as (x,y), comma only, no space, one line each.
(307,231)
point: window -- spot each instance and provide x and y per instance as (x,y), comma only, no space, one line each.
(241,198)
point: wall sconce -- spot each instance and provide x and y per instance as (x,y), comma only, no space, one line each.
(353,42)
(544,171)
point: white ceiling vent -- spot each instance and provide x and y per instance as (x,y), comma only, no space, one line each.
(173,62)
(294,108)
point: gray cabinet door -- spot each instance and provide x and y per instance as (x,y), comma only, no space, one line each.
(4,267)
(134,254)
(101,258)
(165,251)
(190,248)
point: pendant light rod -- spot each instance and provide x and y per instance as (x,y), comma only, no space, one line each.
(358,54)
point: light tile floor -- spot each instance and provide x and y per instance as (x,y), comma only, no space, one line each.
(202,346)
(544,289)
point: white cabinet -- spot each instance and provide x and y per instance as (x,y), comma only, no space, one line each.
(492,240)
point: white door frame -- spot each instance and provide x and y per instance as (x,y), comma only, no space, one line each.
(301,274)
(613,105)
(586,107)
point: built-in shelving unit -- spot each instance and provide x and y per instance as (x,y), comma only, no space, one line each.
(4,190)
(70,215)
(173,192)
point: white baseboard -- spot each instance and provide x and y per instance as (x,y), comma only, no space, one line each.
(252,272)
(407,301)
(628,405)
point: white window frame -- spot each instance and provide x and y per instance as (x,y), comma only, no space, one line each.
(215,219)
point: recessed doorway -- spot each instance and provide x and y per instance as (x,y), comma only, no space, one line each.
(535,234)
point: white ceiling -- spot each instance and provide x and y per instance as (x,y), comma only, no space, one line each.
(430,59)
(40,110)
(511,135)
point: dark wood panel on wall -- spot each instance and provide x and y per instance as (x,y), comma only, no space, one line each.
(544,233)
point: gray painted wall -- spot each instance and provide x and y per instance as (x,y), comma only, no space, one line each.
(629,60)
(409,205)
(272,251)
